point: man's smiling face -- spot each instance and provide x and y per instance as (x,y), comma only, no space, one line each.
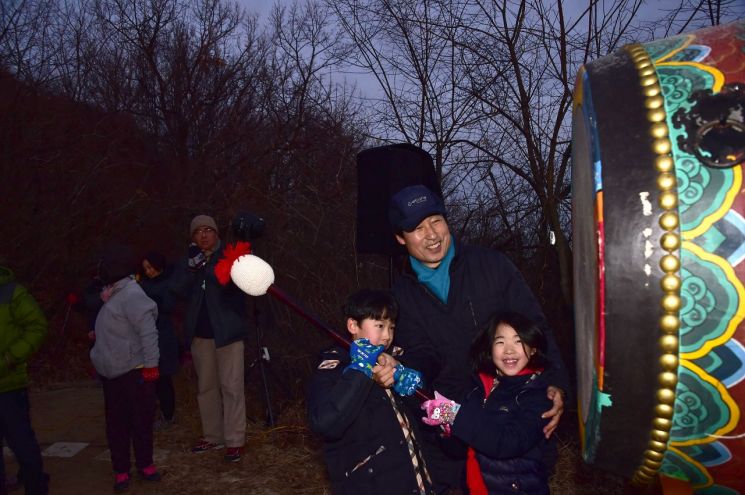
(429,241)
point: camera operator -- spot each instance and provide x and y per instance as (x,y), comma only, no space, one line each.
(215,328)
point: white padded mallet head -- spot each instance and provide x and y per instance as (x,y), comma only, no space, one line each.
(252,275)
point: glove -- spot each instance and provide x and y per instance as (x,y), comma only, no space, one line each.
(364,356)
(197,259)
(406,380)
(440,410)
(150,374)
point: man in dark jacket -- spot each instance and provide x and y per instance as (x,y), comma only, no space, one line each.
(446,295)
(23,329)
(216,324)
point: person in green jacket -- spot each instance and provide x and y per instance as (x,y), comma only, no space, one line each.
(23,328)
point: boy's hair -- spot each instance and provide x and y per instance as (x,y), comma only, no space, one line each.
(529,332)
(371,303)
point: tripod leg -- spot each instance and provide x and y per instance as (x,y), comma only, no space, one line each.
(267,396)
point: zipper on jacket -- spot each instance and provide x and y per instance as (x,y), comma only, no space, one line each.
(364,461)
(473,314)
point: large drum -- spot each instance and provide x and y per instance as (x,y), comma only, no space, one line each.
(659,259)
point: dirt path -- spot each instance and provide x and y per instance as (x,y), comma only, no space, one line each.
(70,427)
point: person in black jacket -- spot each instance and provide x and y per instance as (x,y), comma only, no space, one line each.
(370,444)
(215,327)
(446,294)
(500,419)
(157,284)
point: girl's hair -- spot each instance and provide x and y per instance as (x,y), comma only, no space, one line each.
(529,332)
(156,260)
(371,303)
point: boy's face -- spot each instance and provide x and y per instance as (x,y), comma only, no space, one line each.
(378,332)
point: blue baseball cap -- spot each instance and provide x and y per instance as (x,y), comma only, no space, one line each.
(412,204)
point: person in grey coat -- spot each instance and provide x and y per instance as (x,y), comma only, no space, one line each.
(125,355)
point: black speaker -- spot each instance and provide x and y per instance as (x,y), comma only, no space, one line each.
(381,173)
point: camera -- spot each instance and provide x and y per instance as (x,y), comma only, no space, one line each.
(247,226)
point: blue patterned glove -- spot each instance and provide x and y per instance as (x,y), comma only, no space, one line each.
(406,380)
(364,356)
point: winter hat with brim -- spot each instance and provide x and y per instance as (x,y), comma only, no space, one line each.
(409,206)
(202,221)
(118,261)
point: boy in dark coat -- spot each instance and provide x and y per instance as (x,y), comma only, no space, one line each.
(370,444)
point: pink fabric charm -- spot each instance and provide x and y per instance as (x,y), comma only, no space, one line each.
(440,410)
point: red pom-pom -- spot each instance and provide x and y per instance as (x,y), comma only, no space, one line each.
(232,252)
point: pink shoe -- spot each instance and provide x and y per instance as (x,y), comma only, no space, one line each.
(121,482)
(150,473)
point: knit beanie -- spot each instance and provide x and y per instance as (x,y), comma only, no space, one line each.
(117,262)
(202,221)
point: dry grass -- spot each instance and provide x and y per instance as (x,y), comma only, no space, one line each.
(279,460)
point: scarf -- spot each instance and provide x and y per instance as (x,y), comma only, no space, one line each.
(436,279)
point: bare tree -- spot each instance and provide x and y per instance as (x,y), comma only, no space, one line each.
(26,42)
(486,87)
(410,48)
(689,15)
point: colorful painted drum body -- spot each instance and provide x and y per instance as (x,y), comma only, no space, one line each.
(659,259)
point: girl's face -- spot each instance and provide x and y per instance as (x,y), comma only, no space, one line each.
(149,269)
(509,354)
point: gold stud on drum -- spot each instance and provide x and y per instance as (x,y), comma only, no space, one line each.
(668,379)
(669,221)
(662,424)
(670,283)
(660,435)
(669,344)
(666,396)
(666,181)
(652,464)
(657,446)
(661,146)
(659,130)
(652,90)
(668,200)
(664,163)
(656,115)
(654,102)
(669,263)
(669,362)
